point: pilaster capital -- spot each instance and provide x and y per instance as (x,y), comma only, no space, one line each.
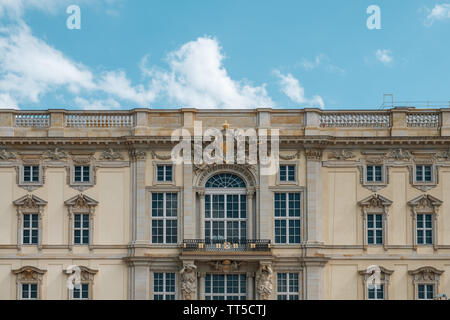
(138,155)
(313,154)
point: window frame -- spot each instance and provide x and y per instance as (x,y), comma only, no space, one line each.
(165,293)
(288,293)
(385,275)
(87,276)
(225,294)
(374,229)
(30,185)
(158,163)
(83,283)
(28,275)
(424,228)
(426,284)
(288,218)
(287,164)
(29,283)
(82,228)
(422,184)
(31,228)
(164,218)
(425,204)
(83,167)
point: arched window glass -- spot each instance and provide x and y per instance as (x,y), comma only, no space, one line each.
(225,180)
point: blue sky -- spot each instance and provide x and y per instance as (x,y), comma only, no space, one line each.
(222,54)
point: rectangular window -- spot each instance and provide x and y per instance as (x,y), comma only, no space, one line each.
(287,218)
(81,293)
(225,217)
(425,291)
(164,217)
(374,173)
(287,286)
(423,173)
(375,229)
(424,229)
(31,173)
(81,173)
(30,228)
(29,291)
(164,173)
(81,229)
(287,172)
(164,286)
(225,287)
(376,292)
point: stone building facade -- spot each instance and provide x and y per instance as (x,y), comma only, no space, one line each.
(94,196)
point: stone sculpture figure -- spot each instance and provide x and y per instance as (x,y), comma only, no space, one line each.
(264,281)
(189,281)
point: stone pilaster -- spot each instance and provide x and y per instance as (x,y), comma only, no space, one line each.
(314,196)
(139,277)
(188,203)
(141,225)
(314,281)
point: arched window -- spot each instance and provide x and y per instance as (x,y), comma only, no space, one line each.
(225,180)
(225,208)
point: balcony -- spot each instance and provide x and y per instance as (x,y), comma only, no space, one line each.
(228,246)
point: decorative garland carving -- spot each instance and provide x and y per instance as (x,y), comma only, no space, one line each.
(109,154)
(290,157)
(400,154)
(160,156)
(342,155)
(6,155)
(55,155)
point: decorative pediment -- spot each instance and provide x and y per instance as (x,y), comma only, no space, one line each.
(375,201)
(370,271)
(425,202)
(426,274)
(81,201)
(30,201)
(86,273)
(29,273)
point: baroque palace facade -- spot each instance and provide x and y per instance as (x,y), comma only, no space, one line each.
(358,195)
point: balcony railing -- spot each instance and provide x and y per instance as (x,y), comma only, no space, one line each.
(100,120)
(423,119)
(32,120)
(355,120)
(225,246)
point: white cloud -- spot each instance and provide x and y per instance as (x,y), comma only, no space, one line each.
(438,13)
(107,104)
(291,87)
(384,56)
(117,83)
(7,102)
(29,67)
(197,78)
(321,60)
